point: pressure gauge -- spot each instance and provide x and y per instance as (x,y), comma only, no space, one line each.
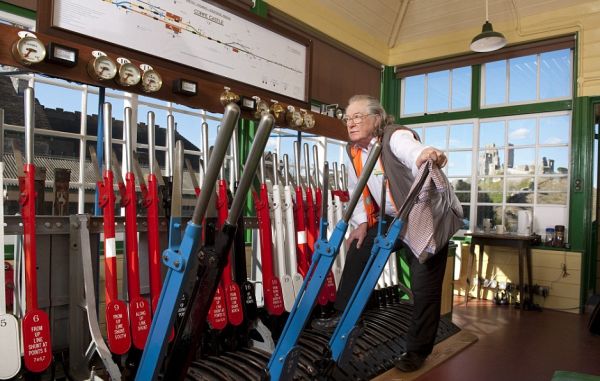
(101,67)
(28,49)
(128,74)
(151,80)
(293,118)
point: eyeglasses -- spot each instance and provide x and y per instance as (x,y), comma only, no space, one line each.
(355,119)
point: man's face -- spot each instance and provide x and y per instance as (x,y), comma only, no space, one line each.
(360,124)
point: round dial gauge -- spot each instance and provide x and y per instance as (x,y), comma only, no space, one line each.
(129,74)
(102,68)
(29,49)
(151,81)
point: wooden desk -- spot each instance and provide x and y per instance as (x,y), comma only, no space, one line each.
(522,243)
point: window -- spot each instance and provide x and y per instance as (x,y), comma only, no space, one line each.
(441,91)
(456,140)
(522,163)
(63,137)
(508,161)
(532,78)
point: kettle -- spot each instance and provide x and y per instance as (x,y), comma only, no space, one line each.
(524,221)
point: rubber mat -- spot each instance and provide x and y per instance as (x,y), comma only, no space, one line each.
(373,353)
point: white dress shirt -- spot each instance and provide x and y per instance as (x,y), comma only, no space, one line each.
(407,149)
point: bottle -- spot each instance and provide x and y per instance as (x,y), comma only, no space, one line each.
(559,236)
(549,239)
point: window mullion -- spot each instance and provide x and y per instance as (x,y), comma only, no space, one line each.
(474,175)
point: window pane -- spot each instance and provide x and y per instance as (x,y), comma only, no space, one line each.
(511,217)
(559,198)
(519,197)
(554,160)
(418,130)
(495,83)
(414,95)
(58,97)
(435,136)
(491,161)
(466,216)
(461,136)
(559,184)
(523,79)
(438,91)
(333,154)
(488,211)
(555,74)
(459,163)
(461,185)
(190,127)
(490,189)
(461,88)
(555,129)
(523,184)
(160,120)
(491,134)
(521,132)
(520,160)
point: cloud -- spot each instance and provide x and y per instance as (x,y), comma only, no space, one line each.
(553,140)
(519,134)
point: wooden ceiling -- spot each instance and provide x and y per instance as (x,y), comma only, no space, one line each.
(381,28)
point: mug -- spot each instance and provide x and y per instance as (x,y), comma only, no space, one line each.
(487,225)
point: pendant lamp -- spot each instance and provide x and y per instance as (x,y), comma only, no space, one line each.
(487,40)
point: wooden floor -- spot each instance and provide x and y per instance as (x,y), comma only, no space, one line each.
(518,345)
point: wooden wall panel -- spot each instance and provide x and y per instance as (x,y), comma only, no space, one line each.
(337,75)
(501,264)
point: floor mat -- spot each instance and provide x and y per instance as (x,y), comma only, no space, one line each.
(441,352)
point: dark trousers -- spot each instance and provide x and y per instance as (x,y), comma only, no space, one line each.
(426,285)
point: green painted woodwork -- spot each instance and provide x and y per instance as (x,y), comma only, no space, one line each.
(18,11)
(390,92)
(260,8)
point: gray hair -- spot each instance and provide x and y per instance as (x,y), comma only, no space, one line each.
(374,107)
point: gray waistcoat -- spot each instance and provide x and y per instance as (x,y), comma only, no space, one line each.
(399,176)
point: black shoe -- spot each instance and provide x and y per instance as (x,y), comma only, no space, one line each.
(410,361)
(325,324)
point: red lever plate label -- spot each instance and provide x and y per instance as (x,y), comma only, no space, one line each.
(117,327)
(37,350)
(139,313)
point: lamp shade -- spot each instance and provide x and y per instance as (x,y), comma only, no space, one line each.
(488,40)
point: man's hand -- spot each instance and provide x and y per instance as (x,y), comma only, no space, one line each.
(357,234)
(438,157)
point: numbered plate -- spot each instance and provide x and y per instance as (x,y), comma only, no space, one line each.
(10,352)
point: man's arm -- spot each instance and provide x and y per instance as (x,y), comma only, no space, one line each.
(413,153)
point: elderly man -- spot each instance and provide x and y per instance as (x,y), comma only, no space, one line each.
(402,155)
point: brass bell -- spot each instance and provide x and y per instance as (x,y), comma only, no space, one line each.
(293,118)
(262,108)
(308,119)
(228,97)
(278,112)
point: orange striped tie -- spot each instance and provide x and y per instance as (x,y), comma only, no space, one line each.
(370,206)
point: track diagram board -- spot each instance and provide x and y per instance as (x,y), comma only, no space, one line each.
(193,33)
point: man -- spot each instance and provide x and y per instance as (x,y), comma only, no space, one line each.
(402,155)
